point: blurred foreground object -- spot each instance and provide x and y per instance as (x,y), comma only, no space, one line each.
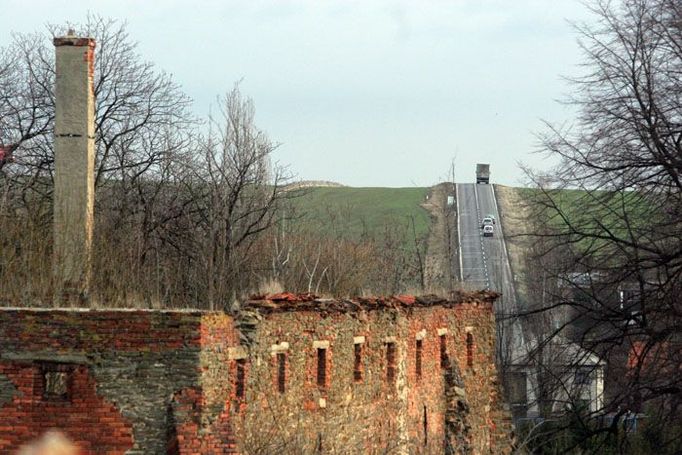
(52,443)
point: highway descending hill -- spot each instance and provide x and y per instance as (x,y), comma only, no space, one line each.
(484,263)
(473,267)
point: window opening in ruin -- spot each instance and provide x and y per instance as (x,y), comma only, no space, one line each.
(582,404)
(281,372)
(357,369)
(582,377)
(418,359)
(517,386)
(470,350)
(443,352)
(240,378)
(321,367)
(390,362)
(57,380)
(518,395)
(426,427)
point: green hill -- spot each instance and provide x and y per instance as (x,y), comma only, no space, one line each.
(591,218)
(355,213)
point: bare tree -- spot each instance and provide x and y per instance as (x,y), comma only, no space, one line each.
(612,210)
(143,131)
(236,191)
(176,211)
(141,113)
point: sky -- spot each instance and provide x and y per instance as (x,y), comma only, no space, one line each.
(364,93)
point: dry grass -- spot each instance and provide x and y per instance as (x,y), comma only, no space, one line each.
(514,213)
(309,262)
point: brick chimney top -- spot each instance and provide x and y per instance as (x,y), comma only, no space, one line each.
(72,40)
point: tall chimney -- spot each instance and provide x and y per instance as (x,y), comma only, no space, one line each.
(74,181)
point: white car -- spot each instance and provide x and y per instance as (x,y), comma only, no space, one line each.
(487,221)
(488,230)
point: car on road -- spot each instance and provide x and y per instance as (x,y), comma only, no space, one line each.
(488,230)
(491,216)
(487,221)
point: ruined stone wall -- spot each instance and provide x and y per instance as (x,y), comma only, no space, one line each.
(406,414)
(122,368)
(489,419)
(200,415)
(155,382)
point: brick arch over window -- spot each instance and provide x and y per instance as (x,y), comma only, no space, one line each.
(104,430)
(457,427)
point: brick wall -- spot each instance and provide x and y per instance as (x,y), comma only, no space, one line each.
(407,413)
(94,421)
(126,366)
(290,374)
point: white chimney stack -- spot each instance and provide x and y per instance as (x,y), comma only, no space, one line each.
(74,180)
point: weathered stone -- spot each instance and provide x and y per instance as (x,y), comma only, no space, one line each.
(167,382)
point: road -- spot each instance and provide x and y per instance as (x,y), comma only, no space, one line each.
(473,267)
(484,263)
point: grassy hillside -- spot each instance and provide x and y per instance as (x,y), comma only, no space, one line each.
(585,208)
(596,214)
(356,212)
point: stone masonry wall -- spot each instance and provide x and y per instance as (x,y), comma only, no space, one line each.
(127,366)
(200,415)
(177,382)
(347,415)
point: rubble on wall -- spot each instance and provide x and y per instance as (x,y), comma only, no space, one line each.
(309,302)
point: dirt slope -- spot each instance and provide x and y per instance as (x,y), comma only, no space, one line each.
(440,275)
(514,217)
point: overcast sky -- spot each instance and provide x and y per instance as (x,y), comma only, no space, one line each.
(365,93)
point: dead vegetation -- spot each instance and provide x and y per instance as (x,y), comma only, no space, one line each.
(188,212)
(439,270)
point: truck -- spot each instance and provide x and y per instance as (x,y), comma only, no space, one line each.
(483,173)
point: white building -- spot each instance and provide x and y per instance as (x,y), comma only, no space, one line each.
(553,377)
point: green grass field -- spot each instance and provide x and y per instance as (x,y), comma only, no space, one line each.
(596,214)
(355,213)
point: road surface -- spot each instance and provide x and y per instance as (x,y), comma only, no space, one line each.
(484,262)
(473,268)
